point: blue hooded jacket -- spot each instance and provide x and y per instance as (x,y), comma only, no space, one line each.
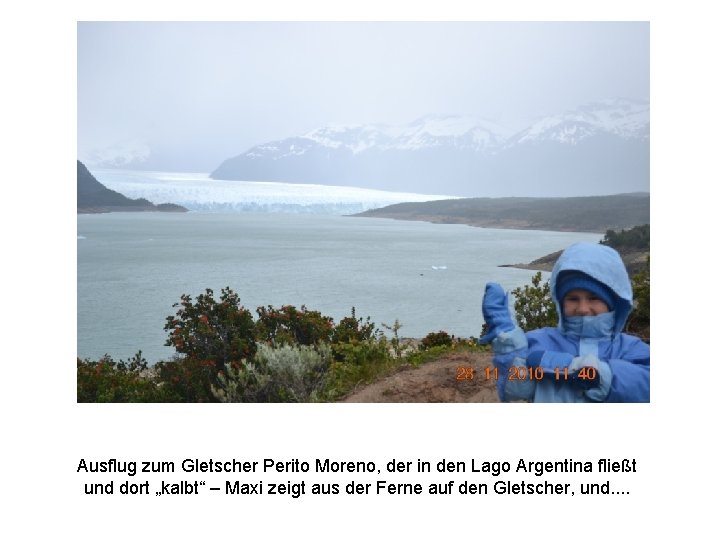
(627,357)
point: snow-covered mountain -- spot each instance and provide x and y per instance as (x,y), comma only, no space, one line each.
(627,119)
(601,148)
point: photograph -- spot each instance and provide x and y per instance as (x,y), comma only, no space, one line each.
(378,212)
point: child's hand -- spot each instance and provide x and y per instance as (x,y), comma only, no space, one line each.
(583,378)
(496,312)
(585,372)
(549,360)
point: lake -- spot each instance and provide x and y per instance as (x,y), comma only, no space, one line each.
(132,268)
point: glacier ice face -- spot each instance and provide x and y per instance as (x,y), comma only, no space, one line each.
(198,192)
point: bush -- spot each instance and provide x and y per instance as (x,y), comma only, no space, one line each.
(534,306)
(110,381)
(189,379)
(396,345)
(245,383)
(360,363)
(351,330)
(639,322)
(288,325)
(287,374)
(436,339)
(211,332)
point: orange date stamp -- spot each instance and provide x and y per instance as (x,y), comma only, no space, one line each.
(522,373)
(464,373)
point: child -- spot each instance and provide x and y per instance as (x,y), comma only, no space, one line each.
(586,358)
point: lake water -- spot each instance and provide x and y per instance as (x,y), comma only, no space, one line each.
(132,268)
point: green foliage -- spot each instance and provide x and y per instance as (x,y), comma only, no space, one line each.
(423,356)
(210,331)
(361,363)
(223,355)
(436,339)
(110,381)
(534,307)
(288,325)
(396,344)
(597,213)
(287,374)
(189,379)
(636,238)
(351,329)
(244,383)
(639,322)
(297,373)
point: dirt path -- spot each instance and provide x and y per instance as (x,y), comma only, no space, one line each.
(434,382)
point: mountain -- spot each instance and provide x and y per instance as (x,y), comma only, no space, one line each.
(580,214)
(602,148)
(93,198)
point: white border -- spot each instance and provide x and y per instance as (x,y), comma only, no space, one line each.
(47,432)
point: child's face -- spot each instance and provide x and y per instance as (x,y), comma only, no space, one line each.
(581,303)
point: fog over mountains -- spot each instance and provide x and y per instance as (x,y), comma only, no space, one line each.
(602,148)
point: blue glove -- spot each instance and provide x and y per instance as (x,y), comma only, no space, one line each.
(591,376)
(549,360)
(503,332)
(496,312)
(596,388)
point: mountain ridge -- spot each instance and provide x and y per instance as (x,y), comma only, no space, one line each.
(94,198)
(598,149)
(569,214)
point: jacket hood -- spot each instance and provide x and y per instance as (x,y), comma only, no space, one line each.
(603,264)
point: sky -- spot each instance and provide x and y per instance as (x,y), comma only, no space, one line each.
(196,93)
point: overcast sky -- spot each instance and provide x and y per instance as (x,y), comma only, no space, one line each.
(198,93)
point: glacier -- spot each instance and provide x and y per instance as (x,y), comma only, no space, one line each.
(198,192)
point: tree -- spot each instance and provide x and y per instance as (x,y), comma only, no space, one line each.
(636,238)
(289,325)
(534,306)
(211,331)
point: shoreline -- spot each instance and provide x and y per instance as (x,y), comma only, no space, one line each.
(482,224)
(635,261)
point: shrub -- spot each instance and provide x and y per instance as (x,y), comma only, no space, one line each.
(211,331)
(189,379)
(534,306)
(351,329)
(436,339)
(639,322)
(361,362)
(287,374)
(398,348)
(110,381)
(244,383)
(288,325)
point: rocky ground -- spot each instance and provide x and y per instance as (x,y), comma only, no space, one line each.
(457,377)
